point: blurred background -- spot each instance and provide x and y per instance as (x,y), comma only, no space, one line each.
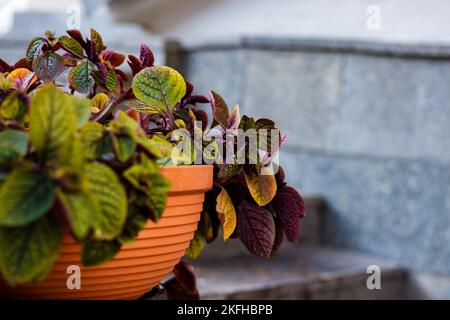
(363,90)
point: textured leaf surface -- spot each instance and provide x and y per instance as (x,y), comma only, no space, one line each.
(156,146)
(98,102)
(25,196)
(81,78)
(95,252)
(229,170)
(227,214)
(157,196)
(53,120)
(48,66)
(159,86)
(142,107)
(290,207)
(196,246)
(28,253)
(79,208)
(112,82)
(71,45)
(256,229)
(124,147)
(155,186)
(219,109)
(97,40)
(115,58)
(136,221)
(262,187)
(146,56)
(34,48)
(109,193)
(95,140)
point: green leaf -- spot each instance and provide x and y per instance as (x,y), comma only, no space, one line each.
(96,252)
(72,46)
(12,107)
(110,195)
(136,221)
(112,82)
(73,155)
(80,77)
(124,147)
(34,48)
(142,107)
(124,124)
(146,178)
(262,187)
(227,214)
(95,139)
(13,146)
(53,120)
(157,196)
(79,208)
(156,146)
(25,196)
(27,253)
(196,246)
(96,38)
(159,86)
(82,110)
(48,66)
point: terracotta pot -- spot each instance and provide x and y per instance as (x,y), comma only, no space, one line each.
(140,265)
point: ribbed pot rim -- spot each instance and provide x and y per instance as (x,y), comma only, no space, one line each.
(188,178)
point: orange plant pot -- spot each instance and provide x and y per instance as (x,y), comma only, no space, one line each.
(140,265)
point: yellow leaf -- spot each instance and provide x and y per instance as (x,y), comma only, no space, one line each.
(98,102)
(227,214)
(262,186)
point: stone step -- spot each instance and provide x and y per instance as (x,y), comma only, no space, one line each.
(298,272)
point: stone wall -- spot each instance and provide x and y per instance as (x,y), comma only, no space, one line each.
(369,129)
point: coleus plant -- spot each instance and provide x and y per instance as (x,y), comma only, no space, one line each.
(80,150)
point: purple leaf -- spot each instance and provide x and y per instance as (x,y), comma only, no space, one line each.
(4,66)
(290,207)
(189,89)
(146,56)
(202,116)
(280,177)
(279,237)
(115,58)
(183,286)
(198,98)
(219,109)
(256,229)
(134,63)
(103,69)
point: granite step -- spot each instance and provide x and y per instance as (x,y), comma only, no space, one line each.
(298,272)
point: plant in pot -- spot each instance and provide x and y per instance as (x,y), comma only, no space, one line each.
(111,183)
